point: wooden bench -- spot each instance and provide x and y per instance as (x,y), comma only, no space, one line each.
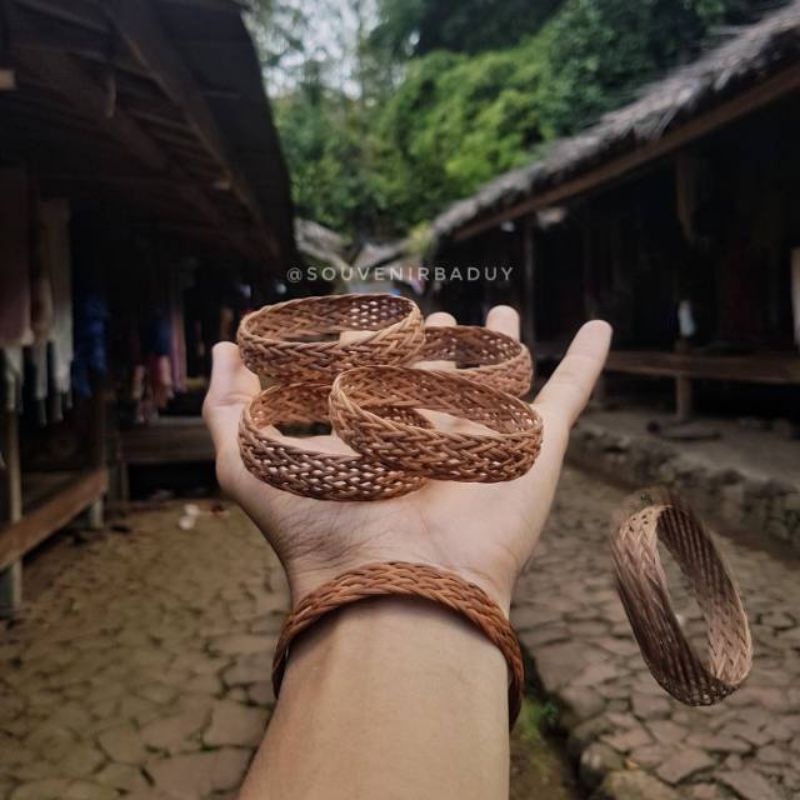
(769,367)
(85,491)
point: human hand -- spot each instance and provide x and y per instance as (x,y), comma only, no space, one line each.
(483,532)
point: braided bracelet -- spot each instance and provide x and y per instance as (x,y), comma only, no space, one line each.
(325,476)
(505,452)
(299,339)
(487,357)
(642,585)
(407,580)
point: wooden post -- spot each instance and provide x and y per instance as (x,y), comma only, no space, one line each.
(99,433)
(11,577)
(528,282)
(684,405)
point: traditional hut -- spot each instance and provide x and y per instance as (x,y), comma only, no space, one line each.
(144,203)
(675,217)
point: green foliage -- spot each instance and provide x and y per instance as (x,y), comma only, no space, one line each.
(417,27)
(398,152)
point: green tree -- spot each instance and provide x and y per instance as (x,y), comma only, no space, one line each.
(417,27)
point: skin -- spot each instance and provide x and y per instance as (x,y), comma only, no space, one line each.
(397,698)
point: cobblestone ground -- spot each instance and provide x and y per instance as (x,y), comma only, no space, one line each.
(140,671)
(627,732)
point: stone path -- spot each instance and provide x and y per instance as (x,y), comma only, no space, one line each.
(141,671)
(629,735)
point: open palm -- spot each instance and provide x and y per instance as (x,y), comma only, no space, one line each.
(483,532)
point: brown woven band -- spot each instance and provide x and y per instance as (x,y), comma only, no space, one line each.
(299,339)
(505,452)
(487,357)
(400,579)
(325,476)
(644,591)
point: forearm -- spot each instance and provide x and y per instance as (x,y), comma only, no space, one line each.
(391,698)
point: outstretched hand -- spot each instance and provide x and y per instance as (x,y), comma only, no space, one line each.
(484,532)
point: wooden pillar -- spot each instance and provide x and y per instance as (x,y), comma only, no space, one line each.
(528,282)
(99,434)
(684,407)
(7,76)
(11,577)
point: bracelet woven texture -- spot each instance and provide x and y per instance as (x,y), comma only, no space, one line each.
(506,451)
(643,588)
(308,473)
(299,339)
(373,410)
(407,580)
(486,357)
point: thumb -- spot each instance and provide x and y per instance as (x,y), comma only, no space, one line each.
(232,388)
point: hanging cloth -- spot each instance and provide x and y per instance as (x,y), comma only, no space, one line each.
(15,292)
(55,223)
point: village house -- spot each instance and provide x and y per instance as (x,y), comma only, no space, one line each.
(676,219)
(145,205)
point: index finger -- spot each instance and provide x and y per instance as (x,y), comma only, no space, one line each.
(571,385)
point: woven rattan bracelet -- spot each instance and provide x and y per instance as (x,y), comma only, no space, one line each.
(299,339)
(487,357)
(400,579)
(504,453)
(325,476)
(644,591)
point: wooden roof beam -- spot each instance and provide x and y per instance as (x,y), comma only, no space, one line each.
(78,12)
(64,76)
(141,29)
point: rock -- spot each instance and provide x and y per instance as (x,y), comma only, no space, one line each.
(720,743)
(595,674)
(84,790)
(173,733)
(596,762)
(82,760)
(584,734)
(649,707)
(49,789)
(684,763)
(261,694)
(772,755)
(584,702)
(706,791)
(241,644)
(248,669)
(636,785)
(200,774)
(157,693)
(629,739)
(235,724)
(667,732)
(122,776)
(123,744)
(650,755)
(749,785)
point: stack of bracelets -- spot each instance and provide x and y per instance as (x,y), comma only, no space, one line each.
(370,388)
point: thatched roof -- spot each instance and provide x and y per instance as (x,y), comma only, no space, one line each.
(154,105)
(757,52)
